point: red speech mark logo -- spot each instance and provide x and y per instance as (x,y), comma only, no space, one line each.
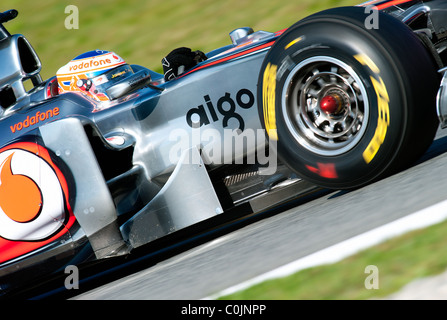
(34,207)
(20,197)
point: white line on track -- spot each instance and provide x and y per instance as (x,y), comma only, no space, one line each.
(418,220)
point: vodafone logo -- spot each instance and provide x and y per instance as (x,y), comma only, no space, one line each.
(30,121)
(31,197)
(90,64)
(108,60)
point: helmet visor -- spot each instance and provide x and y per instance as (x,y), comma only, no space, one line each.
(106,80)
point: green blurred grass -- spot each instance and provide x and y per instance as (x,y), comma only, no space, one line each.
(400,260)
(143,31)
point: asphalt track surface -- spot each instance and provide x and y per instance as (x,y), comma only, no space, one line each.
(273,241)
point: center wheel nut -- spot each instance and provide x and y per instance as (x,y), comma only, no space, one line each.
(331,104)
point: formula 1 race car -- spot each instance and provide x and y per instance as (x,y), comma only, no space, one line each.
(106,156)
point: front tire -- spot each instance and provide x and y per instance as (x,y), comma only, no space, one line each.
(347,105)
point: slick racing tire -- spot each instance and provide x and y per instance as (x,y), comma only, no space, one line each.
(344,105)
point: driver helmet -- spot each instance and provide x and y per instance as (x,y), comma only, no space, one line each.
(92,73)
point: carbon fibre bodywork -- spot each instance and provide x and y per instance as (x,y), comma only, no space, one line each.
(103,178)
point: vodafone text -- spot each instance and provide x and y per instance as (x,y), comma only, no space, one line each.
(32,120)
(90,64)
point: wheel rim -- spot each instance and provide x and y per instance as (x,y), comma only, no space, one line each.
(325,105)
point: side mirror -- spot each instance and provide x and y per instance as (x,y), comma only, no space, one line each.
(18,63)
(5,17)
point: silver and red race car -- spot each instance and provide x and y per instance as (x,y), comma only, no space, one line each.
(107,156)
